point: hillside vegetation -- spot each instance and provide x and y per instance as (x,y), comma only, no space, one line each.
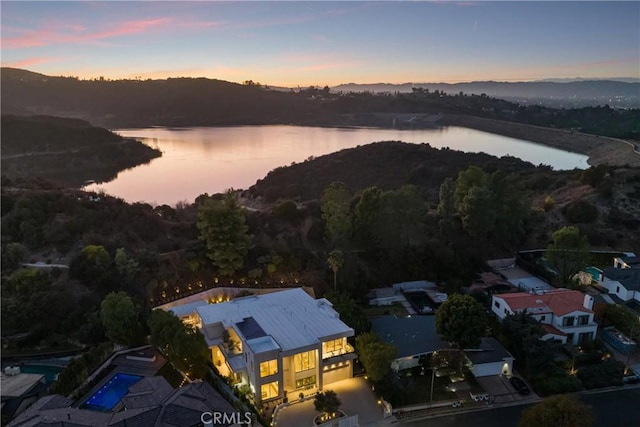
(206,102)
(67,151)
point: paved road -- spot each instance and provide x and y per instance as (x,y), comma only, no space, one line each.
(618,408)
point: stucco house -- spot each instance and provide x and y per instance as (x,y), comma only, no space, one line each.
(566,315)
(280,344)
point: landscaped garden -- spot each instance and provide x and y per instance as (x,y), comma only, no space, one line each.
(413,387)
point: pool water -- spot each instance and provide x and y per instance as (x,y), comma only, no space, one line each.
(50,372)
(110,394)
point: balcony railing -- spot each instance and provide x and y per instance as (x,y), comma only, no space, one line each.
(348,348)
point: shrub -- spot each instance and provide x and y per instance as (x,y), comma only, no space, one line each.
(580,211)
(287,211)
(606,374)
(548,204)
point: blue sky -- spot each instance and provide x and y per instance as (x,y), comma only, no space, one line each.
(324,43)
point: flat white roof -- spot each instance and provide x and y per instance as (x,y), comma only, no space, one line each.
(17,385)
(188,308)
(292,318)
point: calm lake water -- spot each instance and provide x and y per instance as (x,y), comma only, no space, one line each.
(212,159)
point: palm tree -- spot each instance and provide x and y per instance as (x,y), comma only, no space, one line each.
(335,260)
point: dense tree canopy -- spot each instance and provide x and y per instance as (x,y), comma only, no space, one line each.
(336,214)
(350,312)
(121,319)
(221,223)
(558,411)
(375,355)
(461,320)
(522,334)
(489,205)
(569,252)
(183,344)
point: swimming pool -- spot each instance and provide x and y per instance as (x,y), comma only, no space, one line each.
(110,394)
(50,372)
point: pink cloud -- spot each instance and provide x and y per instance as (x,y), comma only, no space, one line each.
(28,62)
(48,35)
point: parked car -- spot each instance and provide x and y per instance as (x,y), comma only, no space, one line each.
(519,385)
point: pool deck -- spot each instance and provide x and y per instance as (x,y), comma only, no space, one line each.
(145,364)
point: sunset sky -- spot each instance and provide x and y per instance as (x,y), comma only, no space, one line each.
(324,43)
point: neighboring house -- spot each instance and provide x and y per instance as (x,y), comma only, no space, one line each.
(280,344)
(490,358)
(623,279)
(150,402)
(416,336)
(566,315)
(19,390)
(412,336)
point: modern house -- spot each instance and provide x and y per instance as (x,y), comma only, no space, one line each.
(280,344)
(566,315)
(416,336)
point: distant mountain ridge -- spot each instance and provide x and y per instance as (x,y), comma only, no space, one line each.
(573,93)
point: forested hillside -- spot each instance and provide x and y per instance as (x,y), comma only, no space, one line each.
(67,151)
(208,102)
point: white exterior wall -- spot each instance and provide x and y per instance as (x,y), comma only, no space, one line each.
(618,289)
(576,329)
(502,310)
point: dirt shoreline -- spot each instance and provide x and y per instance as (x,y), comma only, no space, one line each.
(600,149)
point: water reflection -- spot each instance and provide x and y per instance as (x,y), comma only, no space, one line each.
(213,159)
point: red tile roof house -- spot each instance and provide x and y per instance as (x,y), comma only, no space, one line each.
(566,315)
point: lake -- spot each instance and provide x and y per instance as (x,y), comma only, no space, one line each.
(212,159)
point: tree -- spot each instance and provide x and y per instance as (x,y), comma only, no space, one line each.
(471,177)
(478,211)
(351,313)
(29,281)
(569,252)
(461,320)
(120,318)
(327,402)
(375,355)
(449,358)
(183,345)
(522,335)
(398,223)
(336,214)
(221,224)
(624,320)
(447,205)
(335,261)
(93,266)
(366,212)
(127,267)
(13,254)
(558,411)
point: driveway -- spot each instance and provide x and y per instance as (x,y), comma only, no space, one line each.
(499,388)
(356,396)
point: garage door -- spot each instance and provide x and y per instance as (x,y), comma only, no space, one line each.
(486,369)
(337,375)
